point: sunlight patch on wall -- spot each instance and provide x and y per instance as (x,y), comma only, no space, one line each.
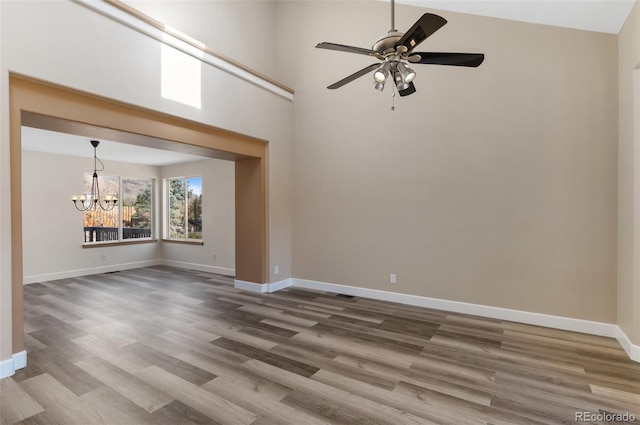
(181,78)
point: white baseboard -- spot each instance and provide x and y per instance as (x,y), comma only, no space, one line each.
(251,286)
(200,267)
(557,322)
(8,367)
(262,288)
(276,286)
(89,271)
(17,361)
(633,350)
(126,266)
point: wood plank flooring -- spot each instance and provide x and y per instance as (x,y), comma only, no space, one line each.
(168,346)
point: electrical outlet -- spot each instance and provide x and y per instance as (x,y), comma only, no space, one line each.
(392,278)
(276,269)
(213,257)
(104,257)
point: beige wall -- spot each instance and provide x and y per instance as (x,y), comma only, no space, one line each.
(495,186)
(629,177)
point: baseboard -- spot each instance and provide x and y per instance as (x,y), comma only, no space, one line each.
(200,267)
(17,361)
(89,271)
(276,286)
(633,350)
(251,286)
(557,322)
(262,287)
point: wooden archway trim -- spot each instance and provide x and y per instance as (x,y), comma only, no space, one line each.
(37,97)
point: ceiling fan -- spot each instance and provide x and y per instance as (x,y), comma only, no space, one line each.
(395,50)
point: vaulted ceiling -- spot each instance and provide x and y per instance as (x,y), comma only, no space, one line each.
(592,15)
(606,16)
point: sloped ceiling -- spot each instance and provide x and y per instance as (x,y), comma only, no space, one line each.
(592,15)
(606,16)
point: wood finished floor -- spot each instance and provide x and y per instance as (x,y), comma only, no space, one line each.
(170,346)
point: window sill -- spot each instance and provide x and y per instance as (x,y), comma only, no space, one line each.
(118,243)
(183,241)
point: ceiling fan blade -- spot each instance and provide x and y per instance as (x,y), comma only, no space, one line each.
(409,90)
(344,48)
(423,28)
(353,76)
(442,58)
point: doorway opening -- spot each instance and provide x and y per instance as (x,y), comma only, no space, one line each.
(74,112)
(146,225)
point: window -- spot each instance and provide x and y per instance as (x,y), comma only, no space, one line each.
(136,208)
(184,209)
(130,219)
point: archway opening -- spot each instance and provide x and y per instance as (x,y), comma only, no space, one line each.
(53,107)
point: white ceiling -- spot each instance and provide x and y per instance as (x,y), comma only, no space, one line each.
(34,139)
(593,15)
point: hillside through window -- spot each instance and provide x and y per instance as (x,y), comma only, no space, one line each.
(130,219)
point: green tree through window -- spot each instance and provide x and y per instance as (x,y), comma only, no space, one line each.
(136,208)
(184,213)
(132,216)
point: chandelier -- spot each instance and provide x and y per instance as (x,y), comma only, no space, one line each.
(92,200)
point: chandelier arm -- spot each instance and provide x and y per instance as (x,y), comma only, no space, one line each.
(75,204)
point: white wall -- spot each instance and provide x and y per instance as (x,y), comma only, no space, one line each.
(218,222)
(52,227)
(87,51)
(242,30)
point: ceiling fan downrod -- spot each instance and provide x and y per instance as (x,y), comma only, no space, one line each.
(393,17)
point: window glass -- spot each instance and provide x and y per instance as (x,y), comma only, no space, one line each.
(184,208)
(132,216)
(136,208)
(194,207)
(101,225)
(176,213)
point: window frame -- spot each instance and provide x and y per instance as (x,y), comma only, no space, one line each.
(120,232)
(166,211)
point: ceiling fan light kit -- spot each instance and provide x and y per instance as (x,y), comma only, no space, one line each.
(395,50)
(382,73)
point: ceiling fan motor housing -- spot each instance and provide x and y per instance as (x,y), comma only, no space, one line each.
(386,43)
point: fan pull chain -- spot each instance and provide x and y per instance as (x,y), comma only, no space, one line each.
(393,99)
